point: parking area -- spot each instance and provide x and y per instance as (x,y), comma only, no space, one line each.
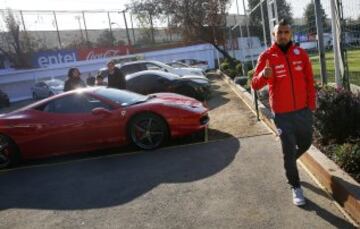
(236,180)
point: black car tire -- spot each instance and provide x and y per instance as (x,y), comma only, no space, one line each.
(9,153)
(148,131)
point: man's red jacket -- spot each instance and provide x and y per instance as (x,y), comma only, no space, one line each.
(291,86)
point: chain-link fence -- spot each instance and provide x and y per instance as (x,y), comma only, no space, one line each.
(257,26)
(74,29)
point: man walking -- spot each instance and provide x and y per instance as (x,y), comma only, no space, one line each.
(287,70)
(116,78)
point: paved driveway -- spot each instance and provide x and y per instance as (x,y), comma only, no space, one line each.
(236,182)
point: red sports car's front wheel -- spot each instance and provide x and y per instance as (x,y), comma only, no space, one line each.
(8,152)
(148,131)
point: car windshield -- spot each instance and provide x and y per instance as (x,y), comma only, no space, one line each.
(122,97)
(55,83)
(161,64)
(178,65)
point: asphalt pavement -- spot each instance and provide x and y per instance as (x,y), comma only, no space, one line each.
(235,182)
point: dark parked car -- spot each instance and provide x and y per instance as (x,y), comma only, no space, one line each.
(4,99)
(153,81)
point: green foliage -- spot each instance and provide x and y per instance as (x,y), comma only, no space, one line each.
(251,74)
(347,156)
(338,115)
(224,66)
(105,39)
(239,69)
(231,70)
(284,12)
(309,15)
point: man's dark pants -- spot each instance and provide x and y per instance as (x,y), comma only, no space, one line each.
(296,137)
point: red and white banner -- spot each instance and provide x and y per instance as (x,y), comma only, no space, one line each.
(99,53)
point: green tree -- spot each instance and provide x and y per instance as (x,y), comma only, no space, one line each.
(16,45)
(197,20)
(284,12)
(146,12)
(105,39)
(310,18)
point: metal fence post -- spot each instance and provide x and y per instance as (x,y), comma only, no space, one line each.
(320,36)
(335,25)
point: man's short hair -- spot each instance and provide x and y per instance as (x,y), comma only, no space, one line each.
(111,62)
(282,22)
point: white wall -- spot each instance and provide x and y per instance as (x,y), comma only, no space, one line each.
(17,84)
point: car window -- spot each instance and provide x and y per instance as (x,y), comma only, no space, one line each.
(40,84)
(132,68)
(150,66)
(55,83)
(74,103)
(120,96)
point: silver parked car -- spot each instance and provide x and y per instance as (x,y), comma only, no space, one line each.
(44,89)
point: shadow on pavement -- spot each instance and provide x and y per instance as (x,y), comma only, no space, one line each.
(323,213)
(114,180)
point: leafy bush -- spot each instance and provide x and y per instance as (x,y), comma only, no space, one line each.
(347,156)
(224,66)
(239,69)
(233,69)
(251,74)
(231,72)
(247,66)
(338,115)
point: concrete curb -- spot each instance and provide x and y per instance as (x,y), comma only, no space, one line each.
(343,188)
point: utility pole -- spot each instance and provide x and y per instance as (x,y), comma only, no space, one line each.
(132,28)
(82,35)
(86,32)
(127,29)
(57,29)
(111,32)
(320,36)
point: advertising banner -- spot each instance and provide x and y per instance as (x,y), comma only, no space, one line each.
(44,59)
(99,53)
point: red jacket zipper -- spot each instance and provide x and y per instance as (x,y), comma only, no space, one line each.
(292,81)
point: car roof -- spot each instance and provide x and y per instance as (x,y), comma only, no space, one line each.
(139,62)
(52,80)
(155,72)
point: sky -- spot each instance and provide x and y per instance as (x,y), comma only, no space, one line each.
(95,21)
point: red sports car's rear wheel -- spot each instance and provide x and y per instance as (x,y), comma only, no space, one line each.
(9,154)
(148,131)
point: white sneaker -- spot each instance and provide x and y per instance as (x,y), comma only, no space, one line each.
(298,196)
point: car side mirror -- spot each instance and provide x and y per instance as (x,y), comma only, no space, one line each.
(100,111)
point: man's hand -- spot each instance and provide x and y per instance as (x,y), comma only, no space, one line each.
(267,72)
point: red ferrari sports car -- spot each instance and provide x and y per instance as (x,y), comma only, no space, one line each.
(96,118)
